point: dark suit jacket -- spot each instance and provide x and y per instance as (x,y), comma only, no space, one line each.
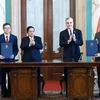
(13,40)
(97,37)
(67,53)
(31,54)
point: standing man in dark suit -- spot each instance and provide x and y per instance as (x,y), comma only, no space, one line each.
(31,45)
(7,37)
(97,59)
(70,39)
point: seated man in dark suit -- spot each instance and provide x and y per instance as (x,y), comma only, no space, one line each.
(31,45)
(7,37)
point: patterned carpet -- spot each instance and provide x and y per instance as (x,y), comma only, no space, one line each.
(51,95)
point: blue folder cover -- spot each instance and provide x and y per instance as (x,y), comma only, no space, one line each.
(36,56)
(91,47)
(6,50)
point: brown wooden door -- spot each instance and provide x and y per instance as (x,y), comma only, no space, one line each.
(48,53)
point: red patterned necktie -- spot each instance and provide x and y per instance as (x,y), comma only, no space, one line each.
(6,38)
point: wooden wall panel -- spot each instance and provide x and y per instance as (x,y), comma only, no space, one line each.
(23,18)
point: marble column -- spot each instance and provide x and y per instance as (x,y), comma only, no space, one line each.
(81,22)
(16,22)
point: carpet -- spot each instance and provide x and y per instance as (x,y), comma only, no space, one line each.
(51,95)
(52,86)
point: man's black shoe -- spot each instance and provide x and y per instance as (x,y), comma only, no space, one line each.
(9,94)
(98,95)
(43,93)
(66,95)
(61,93)
(4,96)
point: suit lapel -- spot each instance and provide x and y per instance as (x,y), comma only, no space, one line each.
(34,38)
(74,31)
(10,38)
(67,33)
(28,40)
(3,38)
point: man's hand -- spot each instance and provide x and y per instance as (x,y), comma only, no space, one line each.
(74,37)
(70,39)
(31,43)
(97,55)
(12,56)
(2,57)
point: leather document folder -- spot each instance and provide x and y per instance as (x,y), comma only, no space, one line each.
(6,50)
(91,47)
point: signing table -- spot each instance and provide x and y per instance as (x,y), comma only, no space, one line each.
(24,78)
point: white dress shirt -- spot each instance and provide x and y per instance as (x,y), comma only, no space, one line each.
(70,30)
(7,35)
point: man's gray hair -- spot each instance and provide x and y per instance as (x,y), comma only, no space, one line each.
(68,18)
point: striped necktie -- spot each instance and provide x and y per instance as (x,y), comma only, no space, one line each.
(70,32)
(6,38)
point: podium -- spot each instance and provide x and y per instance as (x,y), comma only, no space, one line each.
(80,83)
(24,79)
(24,83)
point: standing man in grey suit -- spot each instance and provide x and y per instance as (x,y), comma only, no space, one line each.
(70,39)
